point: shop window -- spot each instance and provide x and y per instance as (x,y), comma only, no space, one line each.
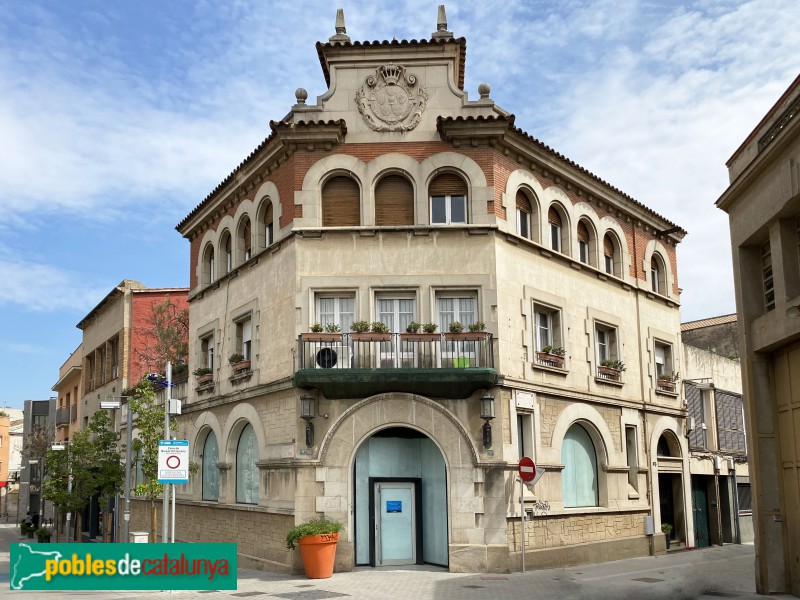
(579,476)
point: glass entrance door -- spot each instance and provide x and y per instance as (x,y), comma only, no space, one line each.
(395,524)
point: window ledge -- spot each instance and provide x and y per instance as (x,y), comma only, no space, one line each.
(615,382)
(549,369)
(661,392)
(206,387)
(244,375)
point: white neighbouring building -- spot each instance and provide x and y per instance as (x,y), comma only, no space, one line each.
(395,198)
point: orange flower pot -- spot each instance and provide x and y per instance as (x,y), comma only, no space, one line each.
(318,552)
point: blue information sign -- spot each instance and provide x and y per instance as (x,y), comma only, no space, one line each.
(394,506)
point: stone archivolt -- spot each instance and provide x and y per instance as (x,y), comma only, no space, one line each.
(391,99)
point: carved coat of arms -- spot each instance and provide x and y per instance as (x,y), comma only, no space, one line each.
(391,99)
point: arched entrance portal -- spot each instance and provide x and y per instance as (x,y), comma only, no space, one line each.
(400,500)
(670,485)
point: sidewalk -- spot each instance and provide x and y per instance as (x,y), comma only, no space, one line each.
(718,572)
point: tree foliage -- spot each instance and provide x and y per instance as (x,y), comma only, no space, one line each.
(165,337)
(76,461)
(38,442)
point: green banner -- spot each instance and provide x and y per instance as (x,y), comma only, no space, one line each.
(123,567)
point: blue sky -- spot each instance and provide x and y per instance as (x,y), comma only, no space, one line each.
(117,118)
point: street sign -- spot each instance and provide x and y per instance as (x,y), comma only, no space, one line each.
(173,461)
(527,469)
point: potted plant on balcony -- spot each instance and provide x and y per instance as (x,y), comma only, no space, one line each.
(238,362)
(476,331)
(376,332)
(427,334)
(611,368)
(204,375)
(317,539)
(667,381)
(331,332)
(667,529)
(551,355)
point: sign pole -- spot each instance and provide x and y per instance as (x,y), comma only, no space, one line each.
(165,509)
(522,521)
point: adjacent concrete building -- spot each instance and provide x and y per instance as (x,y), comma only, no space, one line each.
(39,415)
(394,198)
(763,205)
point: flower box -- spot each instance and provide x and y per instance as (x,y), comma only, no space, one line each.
(321,336)
(609,372)
(666,385)
(204,379)
(370,336)
(552,360)
(465,336)
(242,365)
(420,337)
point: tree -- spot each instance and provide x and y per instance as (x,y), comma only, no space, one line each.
(165,337)
(71,483)
(108,469)
(149,421)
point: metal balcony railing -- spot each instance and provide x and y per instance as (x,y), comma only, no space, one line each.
(62,416)
(395,351)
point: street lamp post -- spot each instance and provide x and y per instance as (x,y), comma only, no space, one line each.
(114,403)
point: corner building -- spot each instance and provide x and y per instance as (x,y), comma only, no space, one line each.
(395,198)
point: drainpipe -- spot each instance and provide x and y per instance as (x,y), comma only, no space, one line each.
(644,399)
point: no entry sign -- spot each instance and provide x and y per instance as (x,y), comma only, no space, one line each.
(173,461)
(527,469)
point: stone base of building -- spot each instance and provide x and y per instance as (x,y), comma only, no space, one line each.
(581,554)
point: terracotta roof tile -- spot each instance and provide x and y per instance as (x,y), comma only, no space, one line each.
(710,322)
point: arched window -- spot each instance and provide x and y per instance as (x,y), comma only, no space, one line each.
(662,448)
(226,250)
(244,241)
(579,477)
(209,266)
(448,193)
(341,203)
(583,242)
(556,225)
(609,256)
(394,201)
(210,470)
(246,469)
(658,274)
(269,236)
(524,212)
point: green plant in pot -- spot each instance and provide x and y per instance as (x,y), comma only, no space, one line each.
(667,529)
(43,534)
(317,539)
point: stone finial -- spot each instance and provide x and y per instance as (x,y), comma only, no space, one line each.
(341,29)
(301,95)
(484,90)
(441,32)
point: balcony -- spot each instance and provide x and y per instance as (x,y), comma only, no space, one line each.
(353,365)
(62,416)
(74,413)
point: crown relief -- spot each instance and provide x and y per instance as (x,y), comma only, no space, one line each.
(391,99)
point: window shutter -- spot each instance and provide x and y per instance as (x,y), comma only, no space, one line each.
(341,203)
(553,217)
(448,184)
(608,246)
(247,330)
(523,203)
(730,422)
(583,232)
(394,201)
(694,404)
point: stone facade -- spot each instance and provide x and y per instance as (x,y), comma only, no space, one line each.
(387,413)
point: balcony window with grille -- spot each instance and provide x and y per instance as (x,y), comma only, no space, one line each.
(396,314)
(461,308)
(767,278)
(448,194)
(547,335)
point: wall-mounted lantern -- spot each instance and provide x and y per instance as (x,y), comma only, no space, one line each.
(487,414)
(307,412)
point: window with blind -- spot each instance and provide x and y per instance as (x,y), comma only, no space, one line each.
(448,193)
(265,219)
(658,275)
(609,255)
(663,356)
(730,422)
(524,214)
(583,242)
(555,225)
(244,337)
(394,201)
(341,203)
